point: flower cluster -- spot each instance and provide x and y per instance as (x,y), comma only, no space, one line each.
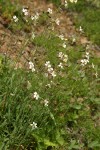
(63,57)
(85,60)
(61,37)
(49,10)
(66,3)
(64,45)
(25,11)
(80,29)
(35,17)
(31,66)
(60,65)
(33,35)
(36,95)
(46,102)
(73,1)
(50,69)
(33,125)
(15,19)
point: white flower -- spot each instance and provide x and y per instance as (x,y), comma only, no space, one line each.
(35,17)
(53,74)
(74,40)
(60,65)
(65,59)
(60,55)
(64,45)
(57,21)
(87,55)
(48,85)
(46,102)
(31,66)
(84,62)
(25,11)
(73,1)
(96,74)
(33,35)
(50,70)
(49,10)
(36,95)
(15,19)
(80,29)
(47,64)
(61,37)
(33,125)
(66,3)
(32,17)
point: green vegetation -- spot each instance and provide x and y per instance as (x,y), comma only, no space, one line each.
(52,102)
(88,16)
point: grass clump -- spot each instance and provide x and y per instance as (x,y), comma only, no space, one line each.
(89,18)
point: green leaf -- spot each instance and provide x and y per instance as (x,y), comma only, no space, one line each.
(94,144)
(49,143)
(77,107)
(59,138)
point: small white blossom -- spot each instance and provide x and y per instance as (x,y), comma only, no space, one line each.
(25,11)
(33,35)
(73,1)
(60,65)
(31,66)
(33,125)
(35,17)
(36,95)
(49,10)
(84,62)
(48,85)
(64,45)
(80,29)
(53,74)
(50,70)
(74,40)
(60,55)
(61,37)
(65,59)
(66,3)
(96,74)
(87,55)
(46,102)
(47,64)
(57,21)
(15,19)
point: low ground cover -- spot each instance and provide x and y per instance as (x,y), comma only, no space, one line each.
(88,16)
(52,100)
